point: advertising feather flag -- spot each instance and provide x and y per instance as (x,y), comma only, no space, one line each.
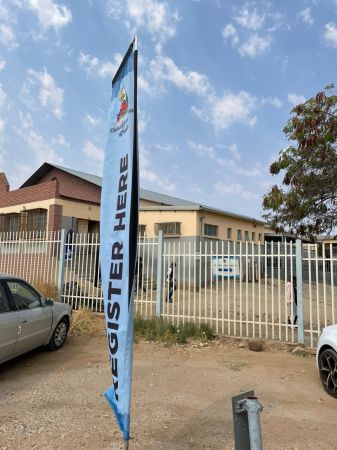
(119,231)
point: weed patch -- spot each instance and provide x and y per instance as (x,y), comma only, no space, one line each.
(160,330)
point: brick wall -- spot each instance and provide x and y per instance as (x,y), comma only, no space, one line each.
(54,217)
(74,187)
(4,185)
(29,194)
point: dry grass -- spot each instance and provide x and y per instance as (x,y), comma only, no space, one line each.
(87,323)
(47,289)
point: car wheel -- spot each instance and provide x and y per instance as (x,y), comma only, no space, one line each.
(59,336)
(327,364)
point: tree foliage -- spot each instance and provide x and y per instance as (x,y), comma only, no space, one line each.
(306,202)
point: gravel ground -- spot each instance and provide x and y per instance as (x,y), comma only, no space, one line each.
(181,398)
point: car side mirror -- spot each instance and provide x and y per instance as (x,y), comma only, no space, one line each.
(49,302)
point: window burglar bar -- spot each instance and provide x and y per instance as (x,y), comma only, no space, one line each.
(31,220)
(210,230)
(168,228)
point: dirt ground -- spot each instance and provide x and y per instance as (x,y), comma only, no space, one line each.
(181,398)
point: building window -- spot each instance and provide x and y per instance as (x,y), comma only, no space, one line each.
(210,230)
(253,236)
(260,237)
(141,229)
(168,228)
(229,234)
(239,235)
(34,220)
(246,236)
(31,220)
(10,223)
(74,224)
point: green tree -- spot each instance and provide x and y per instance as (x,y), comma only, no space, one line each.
(306,202)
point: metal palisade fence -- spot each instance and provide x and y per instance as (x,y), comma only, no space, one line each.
(240,289)
(34,256)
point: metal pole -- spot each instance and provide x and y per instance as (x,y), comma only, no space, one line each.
(159,298)
(253,408)
(299,284)
(246,416)
(61,267)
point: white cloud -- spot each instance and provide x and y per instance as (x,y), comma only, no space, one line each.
(61,141)
(231,108)
(143,120)
(250,18)
(5,14)
(221,111)
(96,68)
(19,171)
(92,121)
(2,126)
(50,95)
(149,176)
(229,32)
(330,34)
(204,150)
(7,36)
(143,84)
(233,148)
(255,46)
(26,121)
(234,189)
(164,68)
(230,164)
(36,36)
(248,21)
(50,14)
(41,151)
(3,96)
(167,147)
(274,101)
(254,171)
(153,16)
(93,153)
(2,64)
(305,16)
(295,99)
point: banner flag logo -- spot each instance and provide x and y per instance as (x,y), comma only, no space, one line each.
(119,231)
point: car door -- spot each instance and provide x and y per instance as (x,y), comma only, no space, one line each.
(34,318)
(8,326)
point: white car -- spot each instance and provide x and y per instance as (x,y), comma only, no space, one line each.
(28,319)
(326,357)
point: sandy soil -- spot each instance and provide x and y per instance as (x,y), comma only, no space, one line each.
(181,398)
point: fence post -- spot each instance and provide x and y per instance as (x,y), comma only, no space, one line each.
(299,286)
(159,299)
(61,266)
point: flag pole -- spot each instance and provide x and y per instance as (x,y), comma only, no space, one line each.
(135,48)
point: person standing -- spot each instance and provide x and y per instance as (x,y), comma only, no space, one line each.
(69,244)
(292,301)
(171,282)
(139,274)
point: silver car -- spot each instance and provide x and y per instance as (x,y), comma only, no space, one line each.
(29,320)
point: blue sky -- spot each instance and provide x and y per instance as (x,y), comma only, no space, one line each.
(217,81)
